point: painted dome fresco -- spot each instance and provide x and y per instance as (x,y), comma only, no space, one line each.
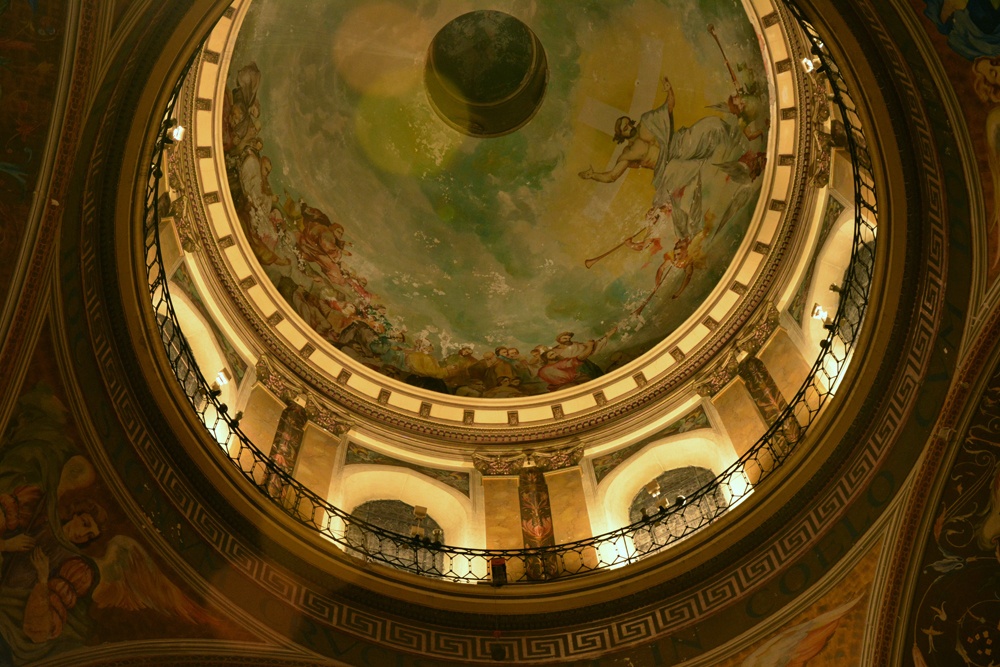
(496,203)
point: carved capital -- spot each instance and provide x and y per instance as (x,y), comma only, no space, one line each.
(718,375)
(327,419)
(511,462)
(759,330)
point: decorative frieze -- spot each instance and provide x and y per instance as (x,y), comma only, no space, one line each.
(603,465)
(511,462)
(358,454)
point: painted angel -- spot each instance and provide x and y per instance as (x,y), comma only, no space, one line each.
(798,645)
(52,525)
(124,577)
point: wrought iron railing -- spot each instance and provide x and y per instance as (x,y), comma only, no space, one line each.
(665,525)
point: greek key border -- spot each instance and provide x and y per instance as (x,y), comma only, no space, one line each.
(585,641)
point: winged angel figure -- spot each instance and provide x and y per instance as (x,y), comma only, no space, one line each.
(52,526)
(798,645)
(130,580)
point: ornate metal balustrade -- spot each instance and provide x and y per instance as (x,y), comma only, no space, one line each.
(670,522)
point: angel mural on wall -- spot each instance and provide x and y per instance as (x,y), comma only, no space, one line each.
(798,645)
(58,565)
(680,158)
(986,71)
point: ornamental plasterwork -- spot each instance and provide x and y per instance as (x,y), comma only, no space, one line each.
(289,391)
(759,331)
(719,374)
(510,463)
(444,420)
(825,141)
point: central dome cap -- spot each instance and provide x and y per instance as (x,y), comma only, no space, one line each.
(486,73)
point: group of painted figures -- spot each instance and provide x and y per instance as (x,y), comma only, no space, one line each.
(62,563)
(306,256)
(304,251)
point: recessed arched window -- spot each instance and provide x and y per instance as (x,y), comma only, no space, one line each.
(403,519)
(668,487)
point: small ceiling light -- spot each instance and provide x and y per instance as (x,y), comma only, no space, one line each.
(819,313)
(419,513)
(223,377)
(653,489)
(808,65)
(172,132)
(681,501)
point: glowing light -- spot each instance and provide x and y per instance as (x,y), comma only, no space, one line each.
(223,377)
(808,65)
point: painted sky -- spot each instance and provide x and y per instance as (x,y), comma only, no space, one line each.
(483,241)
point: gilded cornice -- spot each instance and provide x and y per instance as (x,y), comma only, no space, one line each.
(648,392)
(491,463)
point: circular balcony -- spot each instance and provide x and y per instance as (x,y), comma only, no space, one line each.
(664,447)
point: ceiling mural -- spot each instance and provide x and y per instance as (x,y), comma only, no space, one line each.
(560,247)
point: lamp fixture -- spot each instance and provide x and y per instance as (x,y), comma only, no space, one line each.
(172,131)
(653,489)
(417,529)
(223,377)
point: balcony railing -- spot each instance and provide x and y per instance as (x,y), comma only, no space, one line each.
(656,531)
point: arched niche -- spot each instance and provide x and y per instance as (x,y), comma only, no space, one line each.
(832,261)
(402,518)
(361,483)
(616,491)
(670,485)
(201,339)
(399,517)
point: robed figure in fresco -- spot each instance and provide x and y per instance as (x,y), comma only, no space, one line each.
(675,155)
(57,562)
